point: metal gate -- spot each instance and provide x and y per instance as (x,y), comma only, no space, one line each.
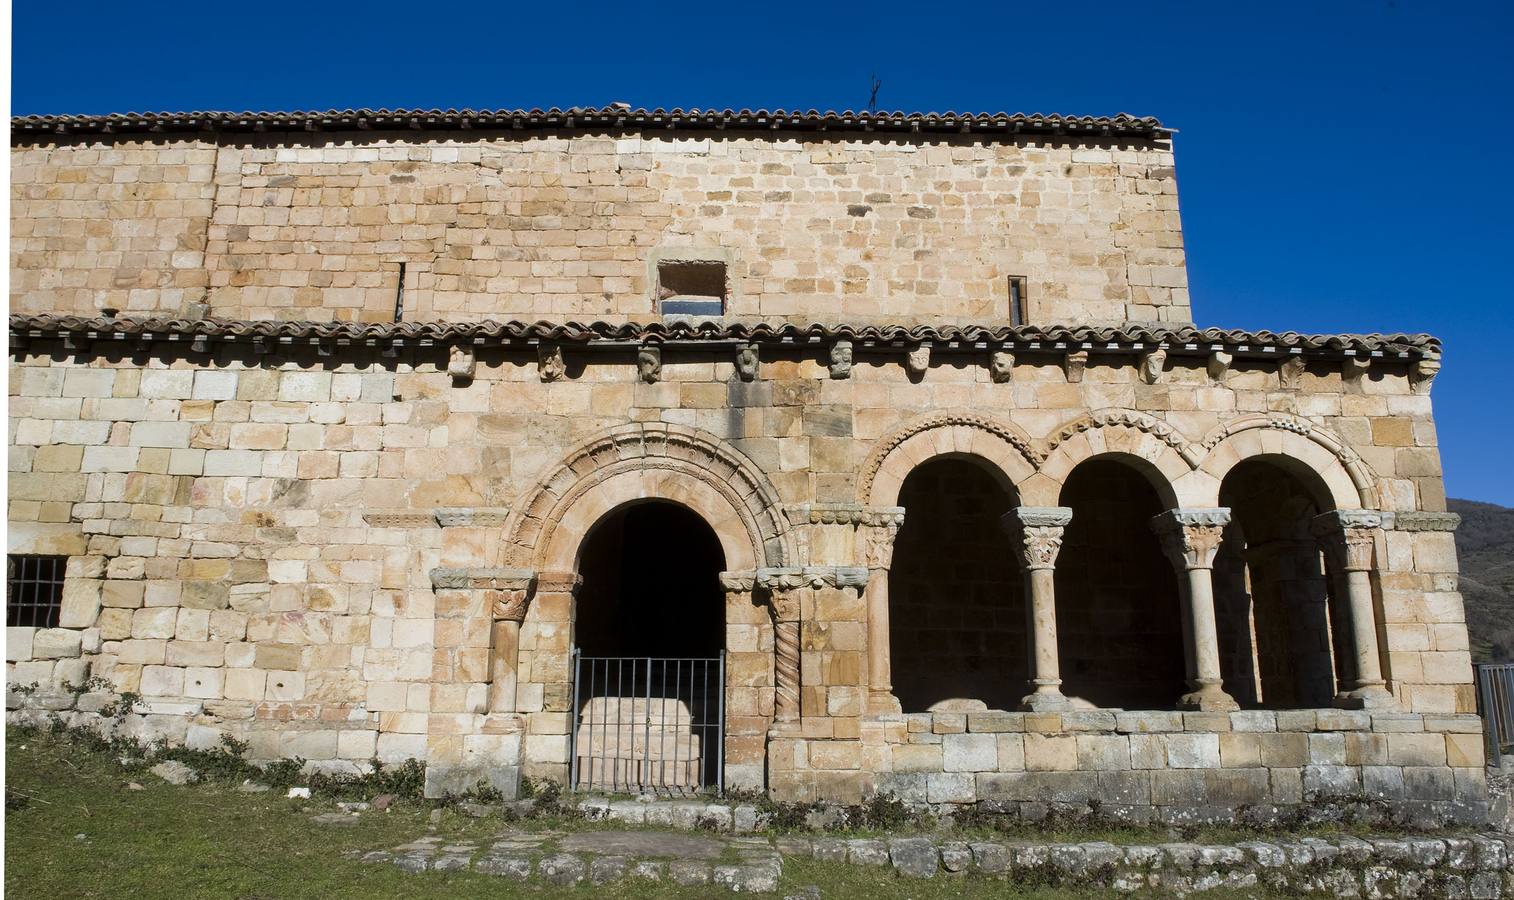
(648,724)
(1495,703)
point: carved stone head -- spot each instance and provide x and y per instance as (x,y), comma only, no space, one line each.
(746,362)
(550,363)
(1001,366)
(918,359)
(841,359)
(649,364)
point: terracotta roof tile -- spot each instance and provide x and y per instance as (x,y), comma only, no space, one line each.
(587,118)
(1093,337)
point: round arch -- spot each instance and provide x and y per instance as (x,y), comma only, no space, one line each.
(1317,457)
(1006,450)
(1152,447)
(647,461)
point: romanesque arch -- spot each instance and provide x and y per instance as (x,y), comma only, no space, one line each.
(1155,448)
(1006,449)
(649,461)
(1311,451)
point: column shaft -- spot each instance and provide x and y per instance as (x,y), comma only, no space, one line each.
(1191,538)
(1038,532)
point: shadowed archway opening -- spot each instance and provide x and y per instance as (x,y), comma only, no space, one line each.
(1119,622)
(649,629)
(651,584)
(956,604)
(1272,598)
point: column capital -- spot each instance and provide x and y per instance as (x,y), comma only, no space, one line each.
(1348,537)
(1191,537)
(1038,529)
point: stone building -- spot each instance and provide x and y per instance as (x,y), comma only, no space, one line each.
(446,435)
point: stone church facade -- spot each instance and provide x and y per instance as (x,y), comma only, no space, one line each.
(355,434)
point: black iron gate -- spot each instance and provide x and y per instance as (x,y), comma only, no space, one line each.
(648,724)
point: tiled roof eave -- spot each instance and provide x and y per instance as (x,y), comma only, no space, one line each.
(1051,338)
(588,118)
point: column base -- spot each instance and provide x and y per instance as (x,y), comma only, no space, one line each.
(883,703)
(1372,696)
(1053,701)
(1208,698)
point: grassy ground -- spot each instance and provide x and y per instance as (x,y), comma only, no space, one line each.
(74,829)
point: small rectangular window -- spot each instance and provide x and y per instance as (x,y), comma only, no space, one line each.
(690,287)
(1017,300)
(33,590)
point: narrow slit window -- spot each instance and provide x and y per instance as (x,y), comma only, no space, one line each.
(399,296)
(33,590)
(691,287)
(1017,300)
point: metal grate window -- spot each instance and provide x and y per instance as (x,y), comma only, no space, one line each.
(33,590)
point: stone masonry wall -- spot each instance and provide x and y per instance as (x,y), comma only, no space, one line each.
(567,227)
(226,562)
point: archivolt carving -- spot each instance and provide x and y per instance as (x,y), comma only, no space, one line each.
(1127,418)
(1003,431)
(1356,469)
(638,448)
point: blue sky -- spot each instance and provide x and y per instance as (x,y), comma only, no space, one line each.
(1343,165)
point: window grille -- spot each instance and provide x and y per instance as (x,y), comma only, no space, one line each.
(33,590)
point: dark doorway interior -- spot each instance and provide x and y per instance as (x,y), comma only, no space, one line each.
(649,627)
(651,585)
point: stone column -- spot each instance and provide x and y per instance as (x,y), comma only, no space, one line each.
(783,589)
(1191,538)
(508,608)
(1348,537)
(878,554)
(1038,530)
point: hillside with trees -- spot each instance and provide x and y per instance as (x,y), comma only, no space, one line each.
(1485,545)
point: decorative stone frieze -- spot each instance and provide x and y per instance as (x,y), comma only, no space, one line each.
(1425,521)
(400,518)
(649,363)
(1001,366)
(787,578)
(550,365)
(738,582)
(481,579)
(841,359)
(472,517)
(843,514)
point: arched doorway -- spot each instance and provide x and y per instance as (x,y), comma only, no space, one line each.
(1119,619)
(1272,600)
(956,600)
(649,633)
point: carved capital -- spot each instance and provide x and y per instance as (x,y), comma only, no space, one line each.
(1348,537)
(878,546)
(1191,537)
(841,359)
(1039,530)
(508,606)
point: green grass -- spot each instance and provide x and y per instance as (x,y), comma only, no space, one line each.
(74,829)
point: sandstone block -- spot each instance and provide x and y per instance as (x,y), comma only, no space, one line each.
(970,753)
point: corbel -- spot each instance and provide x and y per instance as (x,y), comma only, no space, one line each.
(1073,365)
(649,363)
(1423,376)
(1219,365)
(841,359)
(747,359)
(1151,365)
(1001,366)
(917,360)
(549,362)
(462,362)
(1290,373)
